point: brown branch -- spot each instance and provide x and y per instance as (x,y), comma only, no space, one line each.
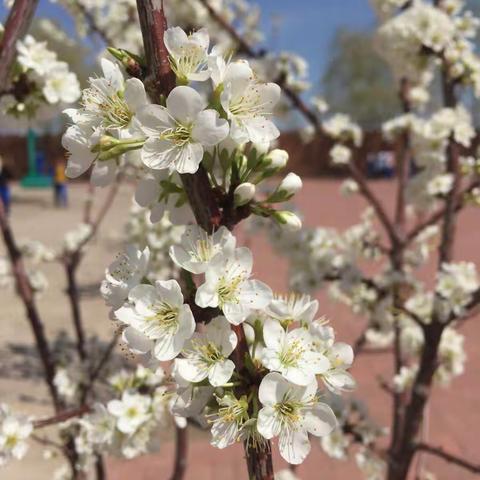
(62,416)
(439,214)
(26,293)
(100,366)
(181,451)
(17,24)
(100,472)
(160,80)
(91,22)
(441,453)
(374,201)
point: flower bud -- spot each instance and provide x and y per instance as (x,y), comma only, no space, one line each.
(287,220)
(277,158)
(291,184)
(243,193)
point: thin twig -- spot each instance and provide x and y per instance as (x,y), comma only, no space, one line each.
(441,453)
(62,416)
(374,201)
(245,47)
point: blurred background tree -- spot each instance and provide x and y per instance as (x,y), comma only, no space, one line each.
(358,81)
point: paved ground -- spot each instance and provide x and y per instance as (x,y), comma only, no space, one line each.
(454,413)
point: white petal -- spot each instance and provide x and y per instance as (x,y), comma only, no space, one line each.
(220,372)
(154,119)
(184,104)
(188,158)
(260,129)
(294,446)
(147,191)
(135,94)
(158,154)
(206,296)
(136,340)
(209,129)
(190,371)
(273,388)
(255,294)
(267,424)
(104,173)
(273,334)
(174,39)
(320,420)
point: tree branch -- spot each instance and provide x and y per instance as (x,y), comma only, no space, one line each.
(245,47)
(181,451)
(27,296)
(16,26)
(62,416)
(160,80)
(441,453)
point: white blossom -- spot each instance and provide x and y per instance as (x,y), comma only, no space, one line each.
(197,249)
(228,287)
(292,354)
(123,274)
(206,354)
(177,134)
(292,412)
(157,319)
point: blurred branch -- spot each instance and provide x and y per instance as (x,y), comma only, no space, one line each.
(17,24)
(246,48)
(438,215)
(27,295)
(181,451)
(441,453)
(62,416)
(91,22)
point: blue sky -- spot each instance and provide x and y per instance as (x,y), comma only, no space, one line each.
(306,26)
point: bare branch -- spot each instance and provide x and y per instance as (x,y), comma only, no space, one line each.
(181,451)
(16,26)
(25,292)
(245,47)
(441,453)
(62,416)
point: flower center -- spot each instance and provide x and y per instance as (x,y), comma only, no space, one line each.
(112,108)
(248,105)
(288,412)
(210,353)
(203,250)
(227,289)
(180,135)
(131,412)
(291,355)
(165,318)
(11,441)
(191,59)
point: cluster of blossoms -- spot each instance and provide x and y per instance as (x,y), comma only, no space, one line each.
(141,403)
(39,79)
(36,254)
(288,347)
(118,24)
(345,133)
(429,142)
(415,40)
(229,133)
(14,433)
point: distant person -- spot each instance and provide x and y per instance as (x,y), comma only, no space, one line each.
(5,177)
(60,184)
